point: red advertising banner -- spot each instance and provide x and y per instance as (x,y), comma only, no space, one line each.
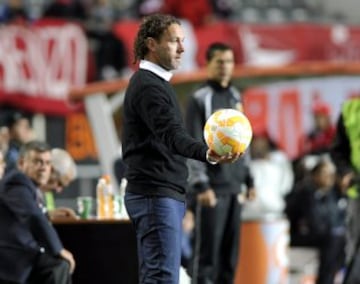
(266,45)
(41,63)
(38,65)
(269,45)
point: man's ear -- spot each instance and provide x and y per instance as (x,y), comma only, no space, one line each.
(151,43)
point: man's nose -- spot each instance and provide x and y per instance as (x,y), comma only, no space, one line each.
(181,47)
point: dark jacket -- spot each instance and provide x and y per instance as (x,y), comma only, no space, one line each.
(313,214)
(24,229)
(340,149)
(222,178)
(155,140)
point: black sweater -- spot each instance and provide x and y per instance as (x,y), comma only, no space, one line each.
(155,142)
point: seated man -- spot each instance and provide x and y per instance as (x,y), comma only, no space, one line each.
(30,249)
(62,174)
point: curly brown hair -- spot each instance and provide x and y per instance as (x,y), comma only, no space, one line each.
(152,26)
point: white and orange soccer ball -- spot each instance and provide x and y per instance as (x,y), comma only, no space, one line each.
(228,131)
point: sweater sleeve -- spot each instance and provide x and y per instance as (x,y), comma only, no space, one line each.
(165,122)
(195,121)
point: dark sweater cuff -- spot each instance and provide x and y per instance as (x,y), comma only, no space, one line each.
(201,187)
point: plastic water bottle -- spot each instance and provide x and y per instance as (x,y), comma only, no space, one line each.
(105,198)
(118,204)
(122,213)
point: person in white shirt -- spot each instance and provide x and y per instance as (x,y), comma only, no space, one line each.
(273,179)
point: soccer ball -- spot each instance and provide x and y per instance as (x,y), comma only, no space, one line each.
(228,131)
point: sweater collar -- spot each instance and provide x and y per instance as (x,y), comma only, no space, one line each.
(158,70)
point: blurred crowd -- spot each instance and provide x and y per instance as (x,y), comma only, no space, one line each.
(109,58)
(97,17)
(106,11)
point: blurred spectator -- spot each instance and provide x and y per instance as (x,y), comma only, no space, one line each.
(216,188)
(317,142)
(273,179)
(35,8)
(20,132)
(66,9)
(345,153)
(13,11)
(31,251)
(148,7)
(63,172)
(109,51)
(126,9)
(316,216)
(101,16)
(321,136)
(225,9)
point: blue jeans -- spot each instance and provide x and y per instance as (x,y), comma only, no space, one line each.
(158,225)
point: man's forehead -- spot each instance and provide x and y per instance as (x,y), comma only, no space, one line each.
(38,154)
(175,30)
(224,53)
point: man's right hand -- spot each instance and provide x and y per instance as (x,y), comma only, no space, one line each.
(213,158)
(207,198)
(65,254)
(345,181)
(62,212)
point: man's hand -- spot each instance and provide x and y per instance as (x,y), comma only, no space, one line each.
(207,198)
(65,254)
(345,181)
(62,212)
(250,193)
(188,222)
(213,158)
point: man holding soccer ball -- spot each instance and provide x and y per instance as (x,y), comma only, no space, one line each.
(216,188)
(155,145)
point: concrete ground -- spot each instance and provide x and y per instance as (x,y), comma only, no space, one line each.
(303,265)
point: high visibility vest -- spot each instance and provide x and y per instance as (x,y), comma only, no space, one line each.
(351,119)
(49,201)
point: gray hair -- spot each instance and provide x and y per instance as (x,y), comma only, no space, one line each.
(35,145)
(63,163)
